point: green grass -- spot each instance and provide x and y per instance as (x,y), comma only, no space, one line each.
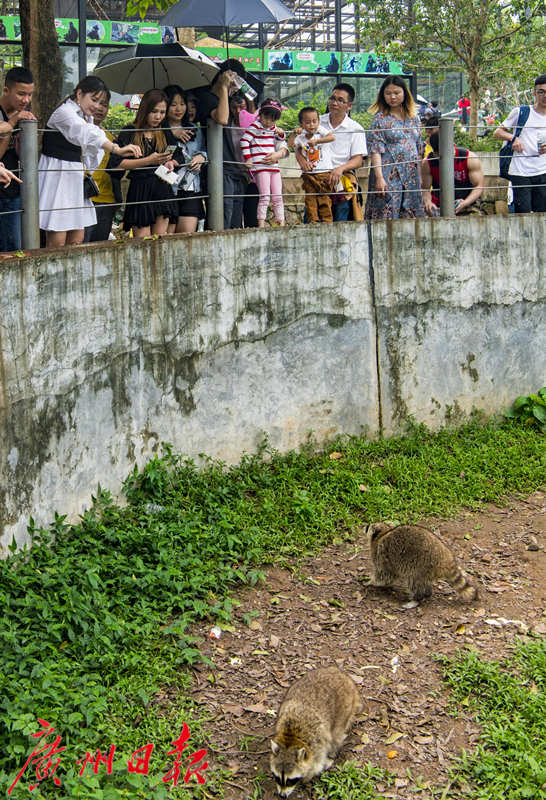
(350,782)
(95,615)
(508,699)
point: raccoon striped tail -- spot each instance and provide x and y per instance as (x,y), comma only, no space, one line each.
(461,584)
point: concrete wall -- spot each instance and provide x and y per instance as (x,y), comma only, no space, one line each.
(208,341)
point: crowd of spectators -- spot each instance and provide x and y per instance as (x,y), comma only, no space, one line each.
(163,153)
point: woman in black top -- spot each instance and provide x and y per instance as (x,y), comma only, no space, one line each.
(150,200)
(190,155)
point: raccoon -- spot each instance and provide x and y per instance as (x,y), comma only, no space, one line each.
(415,558)
(313,720)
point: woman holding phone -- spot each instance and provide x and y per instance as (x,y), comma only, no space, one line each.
(150,200)
(189,155)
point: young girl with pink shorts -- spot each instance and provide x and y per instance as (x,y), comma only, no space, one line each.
(263,145)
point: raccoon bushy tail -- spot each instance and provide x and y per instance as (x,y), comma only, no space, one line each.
(460,583)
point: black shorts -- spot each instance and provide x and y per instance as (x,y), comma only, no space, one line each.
(189,204)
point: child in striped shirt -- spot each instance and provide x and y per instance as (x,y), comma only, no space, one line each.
(262,145)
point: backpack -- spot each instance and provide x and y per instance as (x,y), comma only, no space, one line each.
(506,152)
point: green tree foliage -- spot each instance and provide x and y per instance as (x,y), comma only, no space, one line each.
(118,117)
(141,7)
(486,39)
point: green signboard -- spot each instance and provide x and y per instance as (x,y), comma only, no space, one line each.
(99,32)
(107,32)
(369,63)
(251,59)
(318,61)
(10,28)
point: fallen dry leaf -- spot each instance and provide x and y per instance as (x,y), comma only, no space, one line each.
(395,735)
(335,456)
(540,627)
(256,708)
(497,587)
(460,629)
(233,708)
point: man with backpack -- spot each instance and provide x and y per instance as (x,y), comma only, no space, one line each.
(525,129)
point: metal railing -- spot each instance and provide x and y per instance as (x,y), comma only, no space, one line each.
(30,194)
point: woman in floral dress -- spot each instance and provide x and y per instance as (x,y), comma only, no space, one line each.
(396,148)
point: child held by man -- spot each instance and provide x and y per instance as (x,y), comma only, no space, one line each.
(262,146)
(313,156)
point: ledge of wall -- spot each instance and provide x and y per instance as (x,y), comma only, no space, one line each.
(208,341)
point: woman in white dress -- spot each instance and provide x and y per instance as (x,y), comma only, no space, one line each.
(70,138)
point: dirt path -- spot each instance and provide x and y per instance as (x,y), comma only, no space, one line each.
(324,613)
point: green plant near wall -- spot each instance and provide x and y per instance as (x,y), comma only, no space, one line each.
(118,117)
(289,118)
(530,410)
(486,144)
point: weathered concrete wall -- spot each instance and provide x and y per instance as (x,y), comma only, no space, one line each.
(210,341)
(461,315)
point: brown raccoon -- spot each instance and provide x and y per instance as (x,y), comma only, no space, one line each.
(415,558)
(313,720)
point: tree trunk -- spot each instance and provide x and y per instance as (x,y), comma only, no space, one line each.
(474,102)
(41,54)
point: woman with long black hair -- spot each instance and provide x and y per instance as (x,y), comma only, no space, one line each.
(150,200)
(190,155)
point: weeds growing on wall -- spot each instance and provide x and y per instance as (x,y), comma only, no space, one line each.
(95,615)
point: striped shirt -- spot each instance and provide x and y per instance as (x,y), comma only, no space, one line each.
(257,142)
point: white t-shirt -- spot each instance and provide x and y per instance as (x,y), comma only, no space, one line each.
(324,161)
(350,139)
(529,162)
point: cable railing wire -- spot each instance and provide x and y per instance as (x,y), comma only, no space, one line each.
(248,166)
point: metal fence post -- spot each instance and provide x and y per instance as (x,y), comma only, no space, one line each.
(30,223)
(215,154)
(447,169)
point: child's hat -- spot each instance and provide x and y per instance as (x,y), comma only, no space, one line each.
(273,104)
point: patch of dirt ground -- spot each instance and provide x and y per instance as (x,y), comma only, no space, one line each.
(323,612)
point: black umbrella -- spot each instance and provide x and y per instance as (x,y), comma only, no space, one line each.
(149,66)
(223,13)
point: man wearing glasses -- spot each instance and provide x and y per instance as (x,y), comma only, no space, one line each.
(349,147)
(527,170)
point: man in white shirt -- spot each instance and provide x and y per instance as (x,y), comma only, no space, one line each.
(349,148)
(527,169)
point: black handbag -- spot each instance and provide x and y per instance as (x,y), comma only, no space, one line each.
(90,188)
